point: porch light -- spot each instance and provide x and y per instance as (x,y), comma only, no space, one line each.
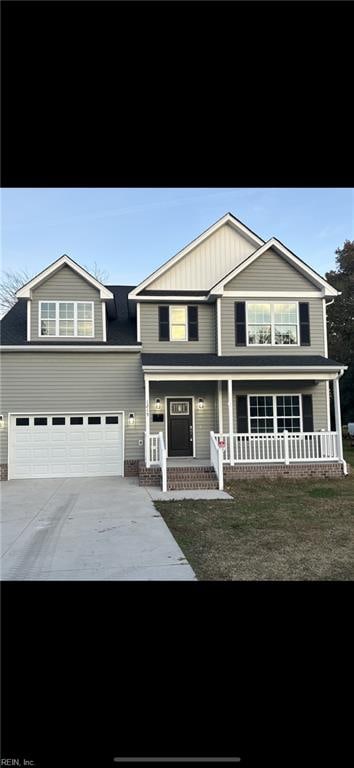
(131,419)
(201,403)
(2,423)
(157,403)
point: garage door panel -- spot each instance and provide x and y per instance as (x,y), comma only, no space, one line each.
(70,450)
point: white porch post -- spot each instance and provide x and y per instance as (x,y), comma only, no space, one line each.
(338,420)
(231,421)
(147,422)
(221,426)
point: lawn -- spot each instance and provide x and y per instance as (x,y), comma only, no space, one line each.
(272,529)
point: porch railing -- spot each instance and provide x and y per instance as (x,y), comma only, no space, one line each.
(216,457)
(283,447)
(156,454)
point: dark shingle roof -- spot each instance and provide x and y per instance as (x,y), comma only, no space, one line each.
(205,360)
(121,329)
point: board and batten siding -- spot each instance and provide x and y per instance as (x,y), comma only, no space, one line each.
(205,419)
(66,285)
(207,263)
(47,382)
(149,322)
(318,392)
(317,346)
(270,272)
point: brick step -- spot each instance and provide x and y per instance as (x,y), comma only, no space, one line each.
(190,469)
(192,472)
(192,485)
(192,479)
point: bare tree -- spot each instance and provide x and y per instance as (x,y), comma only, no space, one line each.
(10,282)
(100,274)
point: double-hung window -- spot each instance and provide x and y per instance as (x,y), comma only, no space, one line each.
(274,413)
(178,323)
(66,318)
(272,323)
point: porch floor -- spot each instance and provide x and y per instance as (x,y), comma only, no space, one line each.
(188,462)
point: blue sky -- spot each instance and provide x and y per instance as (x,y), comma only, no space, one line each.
(130,232)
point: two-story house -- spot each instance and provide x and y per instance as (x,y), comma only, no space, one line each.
(215,365)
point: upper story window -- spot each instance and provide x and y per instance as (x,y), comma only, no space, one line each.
(66,318)
(178,323)
(272,323)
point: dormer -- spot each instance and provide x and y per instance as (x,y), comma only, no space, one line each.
(65,303)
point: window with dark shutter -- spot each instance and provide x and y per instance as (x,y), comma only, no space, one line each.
(241,413)
(304,317)
(164,323)
(240,324)
(307,413)
(192,323)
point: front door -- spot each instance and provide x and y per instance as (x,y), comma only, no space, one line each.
(180,426)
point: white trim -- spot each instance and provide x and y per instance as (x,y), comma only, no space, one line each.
(104,321)
(25,291)
(294,260)
(138,322)
(325,342)
(260,376)
(64,413)
(337,415)
(231,419)
(180,397)
(274,417)
(272,325)
(274,294)
(328,408)
(28,319)
(218,325)
(227,219)
(244,369)
(57,319)
(147,421)
(68,347)
(189,299)
(220,405)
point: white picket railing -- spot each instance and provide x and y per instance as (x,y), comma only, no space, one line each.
(216,457)
(283,447)
(156,453)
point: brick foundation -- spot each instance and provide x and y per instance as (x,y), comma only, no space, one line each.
(131,467)
(3,471)
(149,476)
(273,471)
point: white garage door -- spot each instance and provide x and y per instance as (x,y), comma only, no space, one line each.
(66,445)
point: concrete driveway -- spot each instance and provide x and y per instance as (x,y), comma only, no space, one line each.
(100,528)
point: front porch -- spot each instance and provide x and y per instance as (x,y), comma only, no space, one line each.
(269,430)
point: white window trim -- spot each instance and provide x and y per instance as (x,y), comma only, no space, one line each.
(57,335)
(272,324)
(275,418)
(178,306)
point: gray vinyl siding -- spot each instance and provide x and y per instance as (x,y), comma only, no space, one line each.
(270,272)
(66,285)
(149,321)
(318,392)
(316,347)
(205,420)
(84,381)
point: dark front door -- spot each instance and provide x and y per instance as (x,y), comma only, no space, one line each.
(180,426)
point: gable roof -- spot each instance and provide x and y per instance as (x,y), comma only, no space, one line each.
(25,291)
(228,218)
(294,260)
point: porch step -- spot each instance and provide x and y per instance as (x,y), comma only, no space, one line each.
(185,485)
(188,478)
